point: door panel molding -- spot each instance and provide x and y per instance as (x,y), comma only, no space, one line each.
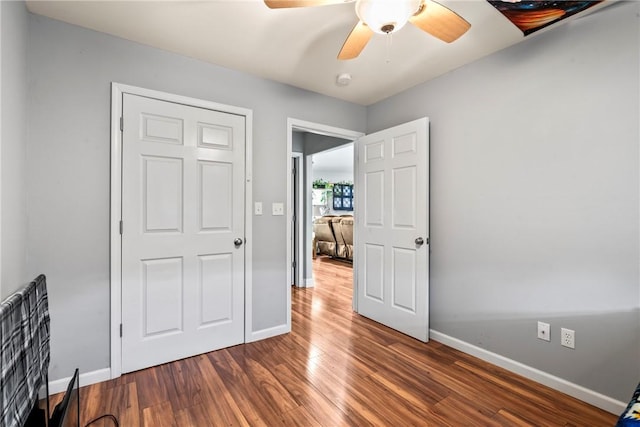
(393,187)
(208,136)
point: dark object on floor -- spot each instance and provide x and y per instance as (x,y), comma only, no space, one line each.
(67,412)
(631,415)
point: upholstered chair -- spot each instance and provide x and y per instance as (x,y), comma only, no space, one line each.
(325,241)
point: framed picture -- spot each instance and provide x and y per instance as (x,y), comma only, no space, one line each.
(342,197)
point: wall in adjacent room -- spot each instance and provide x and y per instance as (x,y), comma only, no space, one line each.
(535,196)
(69,102)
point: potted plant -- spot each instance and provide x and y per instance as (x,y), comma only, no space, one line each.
(320,183)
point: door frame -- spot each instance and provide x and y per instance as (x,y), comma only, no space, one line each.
(297,159)
(320,129)
(115,276)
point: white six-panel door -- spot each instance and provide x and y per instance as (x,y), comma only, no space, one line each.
(392,209)
(182,210)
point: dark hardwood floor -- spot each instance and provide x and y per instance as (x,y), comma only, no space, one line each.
(335,368)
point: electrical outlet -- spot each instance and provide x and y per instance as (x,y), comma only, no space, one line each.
(277,209)
(568,338)
(544,331)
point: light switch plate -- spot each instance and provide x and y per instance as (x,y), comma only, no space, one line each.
(277,209)
(257,208)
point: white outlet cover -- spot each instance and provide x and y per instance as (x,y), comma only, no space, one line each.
(568,337)
(544,331)
(277,209)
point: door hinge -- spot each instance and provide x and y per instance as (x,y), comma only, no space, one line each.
(293,264)
(121,227)
(121,124)
(120,330)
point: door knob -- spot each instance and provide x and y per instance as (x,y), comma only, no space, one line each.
(237,242)
(419,241)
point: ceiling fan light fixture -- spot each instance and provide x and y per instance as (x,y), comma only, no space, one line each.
(386,16)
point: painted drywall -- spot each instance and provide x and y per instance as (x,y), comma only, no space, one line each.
(2,294)
(14,26)
(315,143)
(534,198)
(297,142)
(69,103)
(334,165)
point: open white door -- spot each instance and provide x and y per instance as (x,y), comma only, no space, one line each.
(183,171)
(392,227)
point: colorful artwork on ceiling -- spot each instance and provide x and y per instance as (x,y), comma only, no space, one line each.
(531,16)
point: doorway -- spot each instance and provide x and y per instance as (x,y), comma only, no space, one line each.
(391,239)
(304,240)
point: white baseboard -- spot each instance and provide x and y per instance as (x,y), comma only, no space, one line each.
(86,378)
(591,397)
(308,282)
(268,333)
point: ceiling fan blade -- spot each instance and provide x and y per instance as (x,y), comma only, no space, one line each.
(439,21)
(356,41)
(280,4)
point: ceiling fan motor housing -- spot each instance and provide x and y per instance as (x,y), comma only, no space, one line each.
(386,16)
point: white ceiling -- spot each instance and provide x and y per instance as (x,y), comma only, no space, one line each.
(295,46)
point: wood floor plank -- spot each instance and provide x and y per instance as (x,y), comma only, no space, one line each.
(220,404)
(506,418)
(308,396)
(159,415)
(335,368)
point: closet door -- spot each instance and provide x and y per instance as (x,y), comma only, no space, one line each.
(183,231)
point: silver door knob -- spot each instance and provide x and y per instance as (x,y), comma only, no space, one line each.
(237,242)
(419,241)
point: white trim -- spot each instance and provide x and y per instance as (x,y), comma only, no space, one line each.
(269,332)
(308,209)
(248,225)
(117,90)
(320,129)
(88,378)
(115,244)
(299,211)
(354,259)
(579,392)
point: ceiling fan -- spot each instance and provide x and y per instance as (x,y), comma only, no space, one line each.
(387,17)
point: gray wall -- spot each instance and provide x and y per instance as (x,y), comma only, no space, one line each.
(315,143)
(534,198)
(69,102)
(297,142)
(13,137)
(534,186)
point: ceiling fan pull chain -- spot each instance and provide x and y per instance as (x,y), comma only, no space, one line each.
(389,41)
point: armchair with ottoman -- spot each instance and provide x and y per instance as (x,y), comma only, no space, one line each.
(333,236)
